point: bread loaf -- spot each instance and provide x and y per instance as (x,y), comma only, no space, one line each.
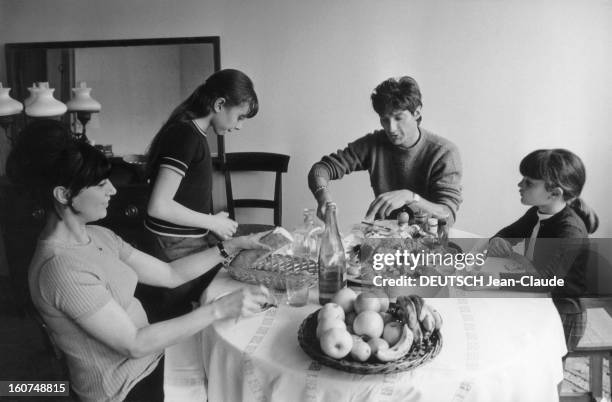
(277,239)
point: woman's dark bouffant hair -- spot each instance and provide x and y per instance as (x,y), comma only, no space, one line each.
(46,156)
(397,94)
(232,85)
(564,169)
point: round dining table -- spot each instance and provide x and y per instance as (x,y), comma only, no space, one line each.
(502,349)
(506,347)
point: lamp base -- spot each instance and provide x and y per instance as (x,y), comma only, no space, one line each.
(6,122)
(83,118)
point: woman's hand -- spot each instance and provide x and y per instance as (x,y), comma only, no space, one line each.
(499,247)
(248,242)
(244,302)
(223,226)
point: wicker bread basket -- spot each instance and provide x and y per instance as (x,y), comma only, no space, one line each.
(417,356)
(272,270)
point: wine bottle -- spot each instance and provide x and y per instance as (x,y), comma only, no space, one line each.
(332,260)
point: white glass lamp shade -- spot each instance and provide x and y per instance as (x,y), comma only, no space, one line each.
(8,105)
(45,105)
(82,100)
(33,94)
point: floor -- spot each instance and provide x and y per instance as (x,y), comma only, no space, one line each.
(25,355)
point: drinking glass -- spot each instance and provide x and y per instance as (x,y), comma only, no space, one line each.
(297,289)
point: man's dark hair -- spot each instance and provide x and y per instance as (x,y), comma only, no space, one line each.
(397,94)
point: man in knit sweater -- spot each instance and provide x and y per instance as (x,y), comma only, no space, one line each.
(408,165)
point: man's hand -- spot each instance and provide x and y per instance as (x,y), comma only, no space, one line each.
(388,202)
(321,209)
(323,197)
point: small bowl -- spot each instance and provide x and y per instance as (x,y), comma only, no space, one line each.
(137,164)
(135,159)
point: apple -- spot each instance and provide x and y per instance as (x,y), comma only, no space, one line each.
(336,343)
(356,338)
(382,298)
(392,332)
(384,302)
(368,323)
(360,351)
(331,310)
(329,323)
(367,301)
(345,298)
(386,317)
(377,344)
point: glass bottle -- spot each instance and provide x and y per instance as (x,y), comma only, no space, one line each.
(307,236)
(432,226)
(443,231)
(332,260)
(420,218)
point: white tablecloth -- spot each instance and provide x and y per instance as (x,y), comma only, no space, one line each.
(494,349)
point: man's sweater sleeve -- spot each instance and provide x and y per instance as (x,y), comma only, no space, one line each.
(335,166)
(445,181)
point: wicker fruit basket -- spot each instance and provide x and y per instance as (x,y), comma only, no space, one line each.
(417,356)
(272,271)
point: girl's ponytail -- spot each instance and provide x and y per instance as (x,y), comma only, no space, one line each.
(586,213)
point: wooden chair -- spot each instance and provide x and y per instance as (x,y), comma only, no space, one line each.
(259,162)
(596,344)
(53,350)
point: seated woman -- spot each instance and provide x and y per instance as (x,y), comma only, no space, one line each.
(82,277)
(555,232)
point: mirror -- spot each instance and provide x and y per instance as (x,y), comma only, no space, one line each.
(138,82)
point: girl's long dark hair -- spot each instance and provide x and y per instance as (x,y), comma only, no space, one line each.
(232,85)
(46,156)
(564,169)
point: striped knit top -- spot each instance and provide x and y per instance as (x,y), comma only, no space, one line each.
(184,150)
(70,282)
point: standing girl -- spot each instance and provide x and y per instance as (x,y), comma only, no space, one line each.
(179,213)
(554,229)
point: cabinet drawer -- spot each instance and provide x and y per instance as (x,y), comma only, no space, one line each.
(129,205)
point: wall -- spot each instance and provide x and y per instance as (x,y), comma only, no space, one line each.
(201,55)
(120,74)
(498,78)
